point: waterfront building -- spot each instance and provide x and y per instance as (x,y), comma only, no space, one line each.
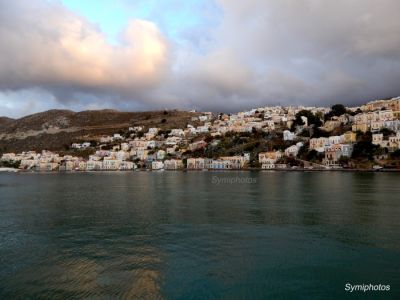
(94,165)
(48,166)
(236,162)
(126,165)
(269,157)
(157,165)
(334,152)
(111,164)
(196,163)
(173,164)
(28,164)
(220,164)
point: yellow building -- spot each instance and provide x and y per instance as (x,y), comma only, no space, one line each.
(349,137)
(363,127)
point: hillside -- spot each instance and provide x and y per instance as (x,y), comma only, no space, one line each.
(54,129)
(4,121)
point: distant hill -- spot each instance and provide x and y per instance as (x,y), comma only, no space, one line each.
(5,120)
(55,129)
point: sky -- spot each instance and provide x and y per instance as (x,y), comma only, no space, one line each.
(210,55)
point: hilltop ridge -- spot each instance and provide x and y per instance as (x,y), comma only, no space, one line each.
(53,129)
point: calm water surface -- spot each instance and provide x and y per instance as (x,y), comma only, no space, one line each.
(175,235)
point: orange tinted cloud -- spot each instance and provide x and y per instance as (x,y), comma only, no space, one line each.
(53,46)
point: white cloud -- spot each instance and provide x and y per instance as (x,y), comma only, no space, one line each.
(52,47)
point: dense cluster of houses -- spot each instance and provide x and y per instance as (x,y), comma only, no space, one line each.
(156,149)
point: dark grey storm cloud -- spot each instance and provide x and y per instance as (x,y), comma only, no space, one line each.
(302,52)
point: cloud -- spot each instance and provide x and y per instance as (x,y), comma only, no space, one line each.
(303,52)
(47,46)
(259,52)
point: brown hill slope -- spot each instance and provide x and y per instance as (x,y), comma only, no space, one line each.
(54,129)
(4,121)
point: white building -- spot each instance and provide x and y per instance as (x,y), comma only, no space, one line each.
(157,165)
(288,136)
(160,154)
(173,164)
(334,152)
(292,151)
(177,132)
(111,164)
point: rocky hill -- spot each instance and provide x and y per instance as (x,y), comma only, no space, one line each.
(56,129)
(4,121)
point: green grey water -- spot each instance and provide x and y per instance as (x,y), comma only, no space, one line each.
(199,235)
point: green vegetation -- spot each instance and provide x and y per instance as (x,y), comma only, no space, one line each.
(317,133)
(336,111)
(366,150)
(395,154)
(164,133)
(310,155)
(344,161)
(7,164)
(311,118)
(386,132)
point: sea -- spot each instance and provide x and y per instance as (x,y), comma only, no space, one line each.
(200,235)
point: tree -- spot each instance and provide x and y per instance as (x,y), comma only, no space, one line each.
(164,133)
(314,155)
(208,138)
(302,152)
(320,115)
(365,149)
(251,146)
(386,132)
(395,154)
(10,164)
(311,118)
(336,111)
(304,133)
(344,161)
(319,133)
(254,163)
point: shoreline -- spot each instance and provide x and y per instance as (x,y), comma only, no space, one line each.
(10,170)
